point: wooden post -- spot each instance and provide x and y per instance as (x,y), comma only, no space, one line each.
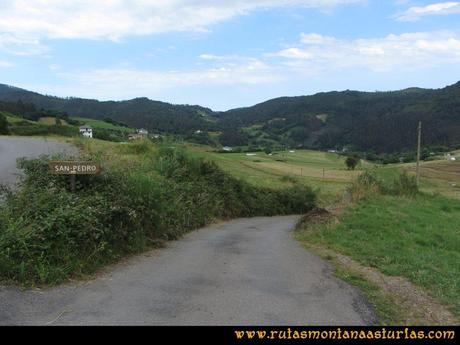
(73,182)
(324,174)
(419,143)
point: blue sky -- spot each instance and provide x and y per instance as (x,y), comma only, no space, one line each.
(226,54)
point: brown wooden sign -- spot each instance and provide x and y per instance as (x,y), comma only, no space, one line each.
(74,168)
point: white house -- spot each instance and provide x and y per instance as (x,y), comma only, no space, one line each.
(227,148)
(86,131)
(142,131)
(139,134)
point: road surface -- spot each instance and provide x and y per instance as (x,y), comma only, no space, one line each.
(243,272)
(12,148)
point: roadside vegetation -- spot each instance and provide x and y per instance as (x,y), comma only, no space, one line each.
(399,231)
(145,195)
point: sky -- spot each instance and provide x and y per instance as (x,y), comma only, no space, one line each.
(226,54)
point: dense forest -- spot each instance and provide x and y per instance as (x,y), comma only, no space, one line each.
(378,121)
(375,122)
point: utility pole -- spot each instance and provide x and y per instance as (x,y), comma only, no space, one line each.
(418,151)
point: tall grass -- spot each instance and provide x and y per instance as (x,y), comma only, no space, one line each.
(368,183)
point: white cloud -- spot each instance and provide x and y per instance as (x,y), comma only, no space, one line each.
(212,57)
(393,52)
(123,83)
(114,19)
(417,12)
(20,45)
(295,53)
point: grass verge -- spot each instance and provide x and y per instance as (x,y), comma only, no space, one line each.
(413,236)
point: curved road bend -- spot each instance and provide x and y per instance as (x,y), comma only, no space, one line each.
(12,148)
(243,272)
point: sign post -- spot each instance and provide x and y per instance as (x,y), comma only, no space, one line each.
(419,140)
(73,169)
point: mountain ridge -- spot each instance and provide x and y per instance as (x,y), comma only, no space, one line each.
(382,121)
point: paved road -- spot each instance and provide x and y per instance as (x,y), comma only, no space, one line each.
(12,148)
(247,271)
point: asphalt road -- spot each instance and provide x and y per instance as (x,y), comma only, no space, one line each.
(244,272)
(12,148)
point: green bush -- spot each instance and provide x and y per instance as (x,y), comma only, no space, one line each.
(49,234)
(3,125)
(351,162)
(404,185)
(29,130)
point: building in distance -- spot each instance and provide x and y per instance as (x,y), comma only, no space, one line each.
(86,131)
(139,134)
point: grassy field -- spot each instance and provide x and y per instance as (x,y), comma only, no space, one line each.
(327,172)
(323,171)
(51,121)
(440,176)
(101,124)
(417,238)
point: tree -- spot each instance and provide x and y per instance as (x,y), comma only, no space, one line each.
(352,162)
(268,149)
(3,125)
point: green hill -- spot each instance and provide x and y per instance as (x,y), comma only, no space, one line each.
(378,121)
(139,112)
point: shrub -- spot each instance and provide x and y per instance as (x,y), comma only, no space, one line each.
(368,183)
(404,185)
(351,162)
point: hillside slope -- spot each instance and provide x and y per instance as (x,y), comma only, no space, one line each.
(365,121)
(139,112)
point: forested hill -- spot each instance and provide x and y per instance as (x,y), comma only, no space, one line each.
(139,112)
(366,121)
(378,121)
